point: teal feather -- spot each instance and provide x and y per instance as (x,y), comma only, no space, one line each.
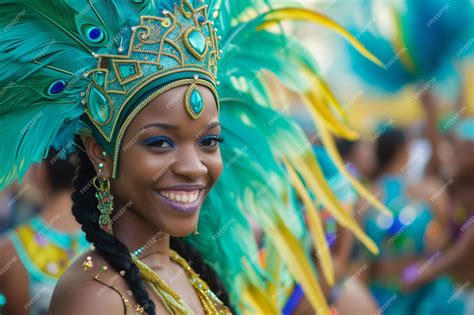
(433,35)
(38,131)
(30,64)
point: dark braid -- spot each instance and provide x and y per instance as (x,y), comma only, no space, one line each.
(115,252)
(206,272)
(109,247)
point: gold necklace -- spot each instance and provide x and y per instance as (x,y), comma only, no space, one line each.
(210,302)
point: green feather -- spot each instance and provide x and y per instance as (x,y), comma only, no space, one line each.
(59,50)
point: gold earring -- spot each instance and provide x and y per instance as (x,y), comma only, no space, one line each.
(104,198)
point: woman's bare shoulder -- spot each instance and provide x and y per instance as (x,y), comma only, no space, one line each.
(98,289)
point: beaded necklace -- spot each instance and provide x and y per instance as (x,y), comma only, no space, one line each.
(173,302)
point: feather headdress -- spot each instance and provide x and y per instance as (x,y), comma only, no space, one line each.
(53,53)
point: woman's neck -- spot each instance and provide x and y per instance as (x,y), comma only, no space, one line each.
(136,232)
(397,167)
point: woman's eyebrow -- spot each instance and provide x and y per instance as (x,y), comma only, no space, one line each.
(213,125)
(174,127)
(161,125)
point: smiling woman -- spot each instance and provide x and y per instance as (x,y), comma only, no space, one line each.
(170,163)
(146,90)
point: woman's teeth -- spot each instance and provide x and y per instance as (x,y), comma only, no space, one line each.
(184,197)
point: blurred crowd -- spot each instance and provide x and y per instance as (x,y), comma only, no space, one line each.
(424,175)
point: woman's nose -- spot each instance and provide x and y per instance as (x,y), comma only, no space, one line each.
(189,164)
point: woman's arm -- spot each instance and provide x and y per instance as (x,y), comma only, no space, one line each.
(13,280)
(459,253)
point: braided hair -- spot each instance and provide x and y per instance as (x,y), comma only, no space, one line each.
(115,252)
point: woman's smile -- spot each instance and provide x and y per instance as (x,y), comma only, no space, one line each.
(182,198)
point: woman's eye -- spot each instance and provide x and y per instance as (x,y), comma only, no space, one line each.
(162,143)
(211,141)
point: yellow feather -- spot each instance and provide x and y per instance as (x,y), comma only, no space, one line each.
(310,171)
(326,91)
(273,264)
(285,14)
(321,123)
(399,46)
(336,158)
(259,302)
(315,226)
(318,107)
(298,265)
(291,250)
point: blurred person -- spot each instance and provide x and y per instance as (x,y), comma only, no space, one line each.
(414,231)
(19,202)
(359,157)
(36,253)
(457,258)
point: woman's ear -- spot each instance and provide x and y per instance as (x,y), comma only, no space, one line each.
(97,155)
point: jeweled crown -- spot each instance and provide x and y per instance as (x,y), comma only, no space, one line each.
(179,46)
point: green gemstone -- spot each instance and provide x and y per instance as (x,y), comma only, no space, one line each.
(196,101)
(104,219)
(126,70)
(98,106)
(99,78)
(197,41)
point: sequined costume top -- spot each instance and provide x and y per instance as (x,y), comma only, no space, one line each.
(45,253)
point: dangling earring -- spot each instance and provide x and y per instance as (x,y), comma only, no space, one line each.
(104,198)
(196,232)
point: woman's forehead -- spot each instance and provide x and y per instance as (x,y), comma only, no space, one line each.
(170,108)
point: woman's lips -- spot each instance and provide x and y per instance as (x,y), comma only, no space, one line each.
(181,200)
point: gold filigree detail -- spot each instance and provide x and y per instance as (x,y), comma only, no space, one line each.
(160,35)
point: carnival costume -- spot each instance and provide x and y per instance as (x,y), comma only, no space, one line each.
(405,235)
(89,67)
(44,253)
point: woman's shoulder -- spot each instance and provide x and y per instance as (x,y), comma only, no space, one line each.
(91,286)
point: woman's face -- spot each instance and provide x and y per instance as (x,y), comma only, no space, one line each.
(169,161)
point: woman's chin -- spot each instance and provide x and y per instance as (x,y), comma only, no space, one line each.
(182,233)
(180,227)
(176,220)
